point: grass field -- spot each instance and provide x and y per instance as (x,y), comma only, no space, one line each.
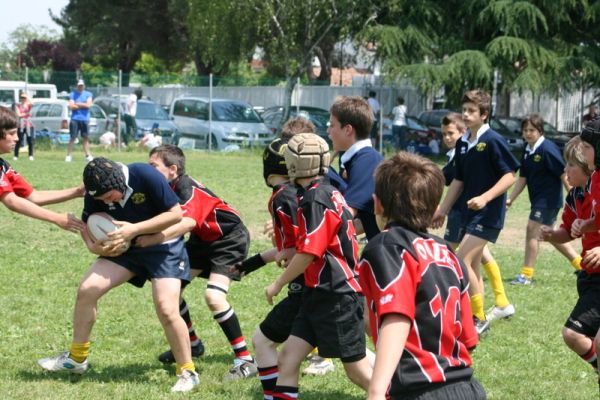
(522,358)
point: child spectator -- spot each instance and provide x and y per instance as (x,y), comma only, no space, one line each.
(584,321)
(350,123)
(542,171)
(19,196)
(453,128)
(141,202)
(485,169)
(399,120)
(218,240)
(330,315)
(26,132)
(417,291)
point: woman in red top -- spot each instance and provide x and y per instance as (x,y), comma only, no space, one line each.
(23,110)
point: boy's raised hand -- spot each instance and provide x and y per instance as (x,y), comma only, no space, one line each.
(437,221)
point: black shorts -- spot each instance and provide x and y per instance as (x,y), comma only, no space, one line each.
(277,325)
(78,127)
(461,390)
(332,322)
(166,260)
(455,228)
(219,255)
(585,317)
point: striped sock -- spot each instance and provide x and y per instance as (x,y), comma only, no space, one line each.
(268,379)
(590,356)
(285,393)
(185,314)
(576,263)
(231,328)
(78,352)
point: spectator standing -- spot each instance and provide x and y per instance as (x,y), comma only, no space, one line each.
(25,131)
(80,101)
(376,108)
(399,120)
(591,115)
(130,113)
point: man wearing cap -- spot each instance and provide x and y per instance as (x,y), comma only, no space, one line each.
(141,202)
(80,101)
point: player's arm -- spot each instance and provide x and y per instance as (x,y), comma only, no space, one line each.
(519,186)
(479,202)
(390,345)
(174,231)
(549,234)
(299,263)
(23,206)
(127,231)
(454,191)
(44,197)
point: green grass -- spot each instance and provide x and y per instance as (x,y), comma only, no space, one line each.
(522,358)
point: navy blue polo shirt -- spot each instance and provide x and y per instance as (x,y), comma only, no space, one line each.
(357,184)
(148,194)
(480,168)
(449,171)
(542,168)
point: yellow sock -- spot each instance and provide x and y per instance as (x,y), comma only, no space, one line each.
(527,272)
(477,306)
(315,351)
(79,351)
(493,272)
(576,263)
(180,367)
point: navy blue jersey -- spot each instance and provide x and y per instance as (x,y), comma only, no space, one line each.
(480,168)
(543,169)
(283,207)
(418,276)
(326,231)
(449,171)
(148,194)
(358,176)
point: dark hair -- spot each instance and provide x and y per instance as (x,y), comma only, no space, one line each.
(400,100)
(372,93)
(170,155)
(138,93)
(456,119)
(535,120)
(410,188)
(591,135)
(297,125)
(8,120)
(481,98)
(354,111)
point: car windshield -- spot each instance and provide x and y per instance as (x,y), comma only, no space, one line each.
(412,123)
(550,129)
(317,117)
(234,112)
(150,111)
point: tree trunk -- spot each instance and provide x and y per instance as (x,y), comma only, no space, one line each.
(290,83)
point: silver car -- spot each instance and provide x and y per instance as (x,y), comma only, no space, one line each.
(55,115)
(234,124)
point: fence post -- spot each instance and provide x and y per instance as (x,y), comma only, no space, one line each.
(120,83)
(210,94)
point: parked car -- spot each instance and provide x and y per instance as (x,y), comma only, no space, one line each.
(148,113)
(550,132)
(318,116)
(234,124)
(414,131)
(433,120)
(55,115)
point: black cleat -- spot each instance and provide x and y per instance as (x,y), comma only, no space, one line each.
(168,358)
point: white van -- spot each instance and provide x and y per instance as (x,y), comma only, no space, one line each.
(10,90)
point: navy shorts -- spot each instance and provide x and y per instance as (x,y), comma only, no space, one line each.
(277,325)
(78,127)
(585,317)
(166,260)
(460,390)
(219,255)
(482,232)
(333,322)
(455,229)
(544,216)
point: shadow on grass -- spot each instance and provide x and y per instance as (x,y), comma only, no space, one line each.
(124,373)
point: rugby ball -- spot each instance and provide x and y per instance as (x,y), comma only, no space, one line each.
(99,225)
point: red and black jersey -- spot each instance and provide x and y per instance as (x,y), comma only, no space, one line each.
(283,207)
(418,276)
(580,205)
(214,217)
(326,231)
(11,181)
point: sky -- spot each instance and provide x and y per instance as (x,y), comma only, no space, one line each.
(34,12)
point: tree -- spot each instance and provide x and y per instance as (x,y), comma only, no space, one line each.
(18,39)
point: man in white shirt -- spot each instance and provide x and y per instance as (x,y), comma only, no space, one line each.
(129,116)
(376,108)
